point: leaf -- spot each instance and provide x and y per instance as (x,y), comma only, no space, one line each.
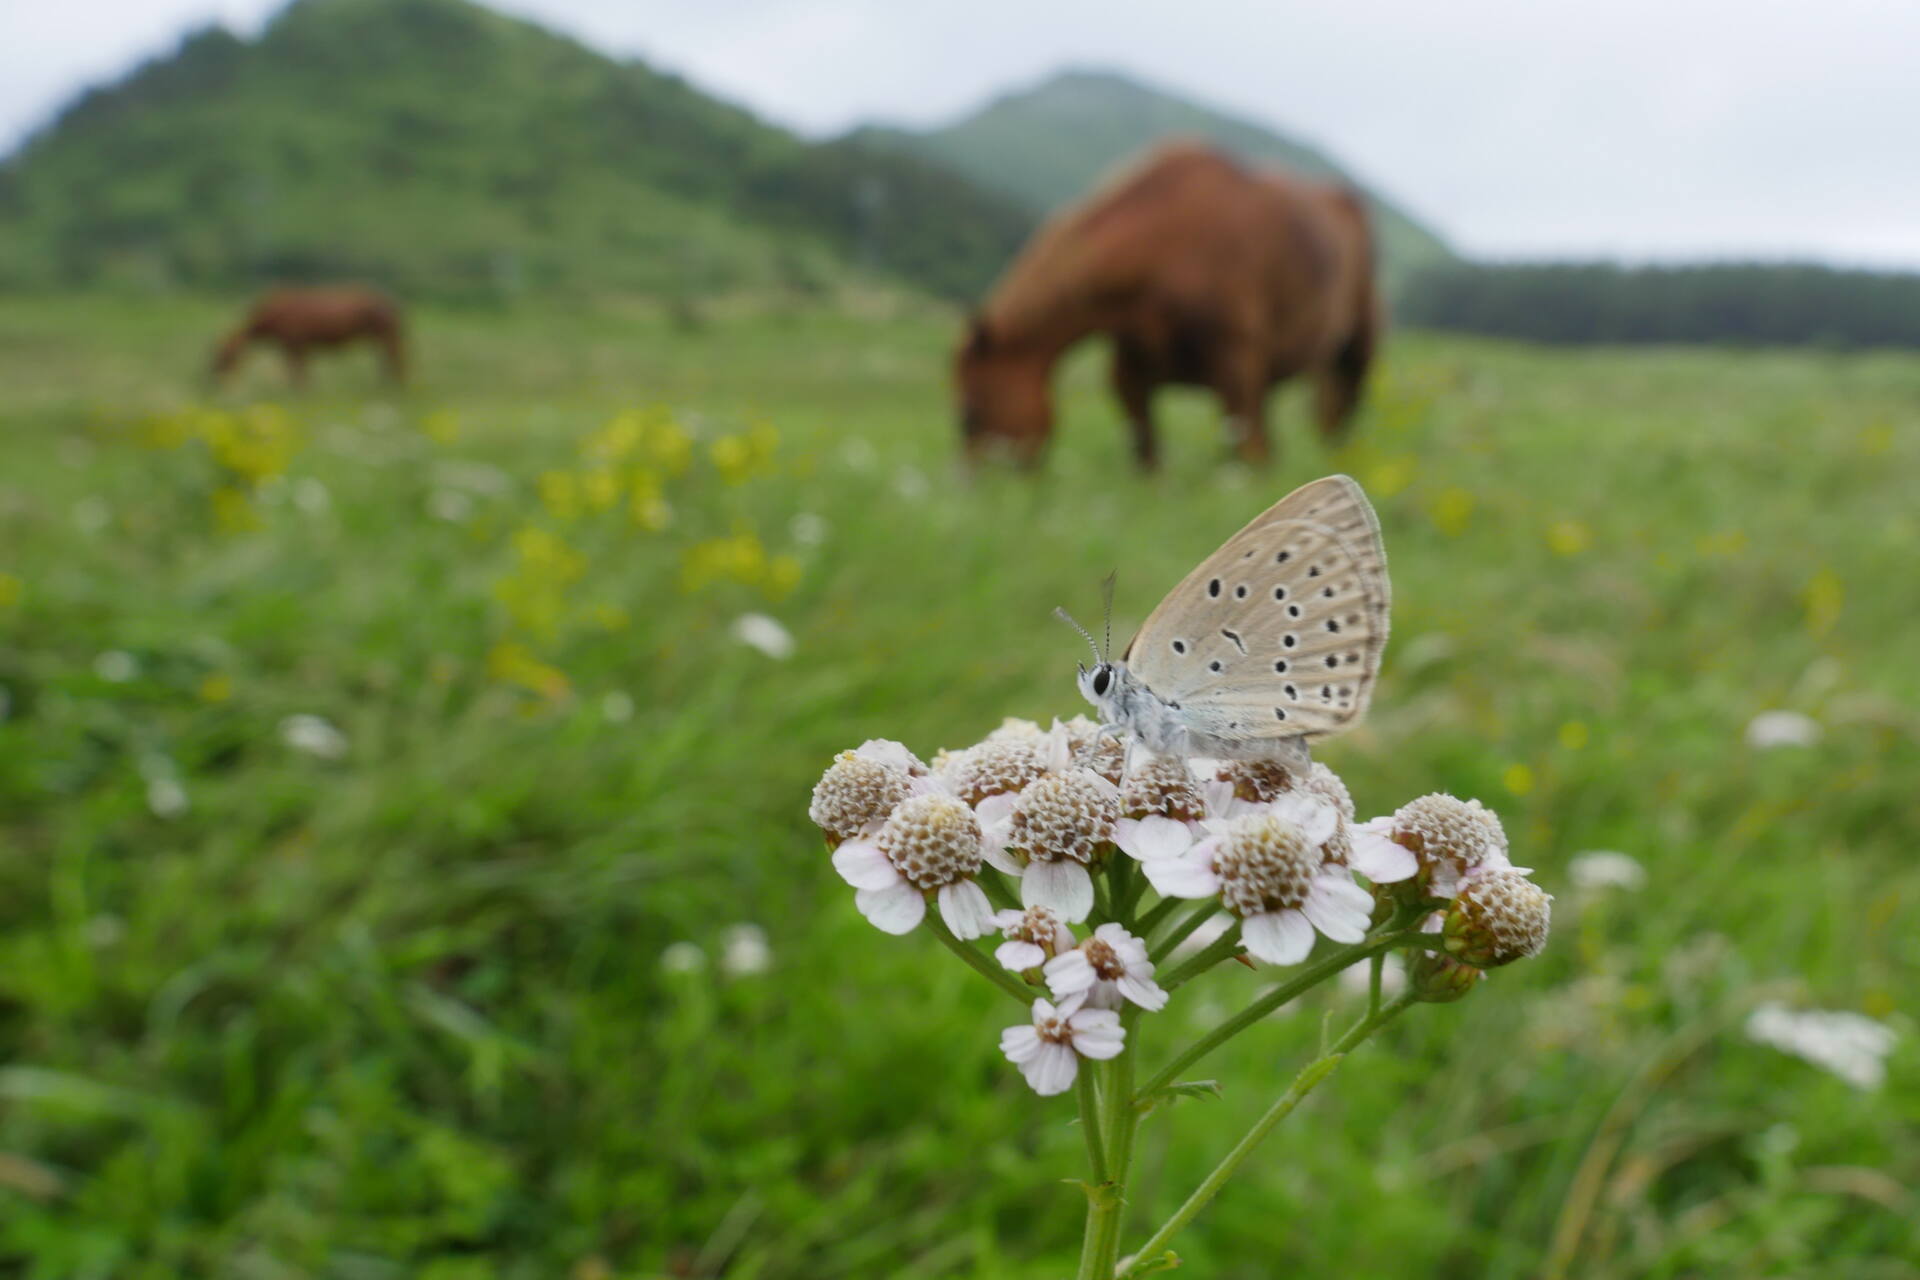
(1180,1089)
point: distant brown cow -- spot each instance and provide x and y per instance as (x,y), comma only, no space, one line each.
(302,320)
(1204,274)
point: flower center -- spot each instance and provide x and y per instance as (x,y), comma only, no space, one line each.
(1054,1030)
(1104,959)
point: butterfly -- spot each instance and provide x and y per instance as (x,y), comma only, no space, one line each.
(1272,643)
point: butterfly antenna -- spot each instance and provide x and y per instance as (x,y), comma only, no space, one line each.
(1067,618)
(1106,607)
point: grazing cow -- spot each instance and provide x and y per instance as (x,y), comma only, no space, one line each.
(302,320)
(1203,273)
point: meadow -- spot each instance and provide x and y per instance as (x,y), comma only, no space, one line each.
(384,783)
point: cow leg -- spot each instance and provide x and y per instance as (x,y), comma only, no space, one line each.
(1133,384)
(296,364)
(1339,386)
(1242,386)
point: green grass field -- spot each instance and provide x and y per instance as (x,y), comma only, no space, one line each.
(404,1013)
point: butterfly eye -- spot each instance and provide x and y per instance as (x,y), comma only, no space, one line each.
(1101,679)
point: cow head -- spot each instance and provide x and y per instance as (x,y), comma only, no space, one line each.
(1006,403)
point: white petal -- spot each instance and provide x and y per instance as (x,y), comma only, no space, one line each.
(1103,995)
(1065,886)
(1154,836)
(1278,937)
(1055,749)
(894,910)
(1144,992)
(1188,877)
(1219,797)
(1097,1033)
(1008,919)
(964,906)
(1018,956)
(1338,907)
(862,865)
(997,857)
(888,752)
(1316,819)
(1380,859)
(1052,1071)
(1020,1043)
(995,810)
(1069,973)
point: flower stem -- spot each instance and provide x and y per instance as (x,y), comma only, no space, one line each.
(1221,948)
(1155,914)
(996,889)
(1310,976)
(992,972)
(1090,1125)
(1303,1084)
(1102,1250)
(1180,932)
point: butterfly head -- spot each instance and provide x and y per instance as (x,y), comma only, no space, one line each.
(1100,684)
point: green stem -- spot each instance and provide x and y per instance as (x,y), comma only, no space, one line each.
(1090,1124)
(1313,974)
(1123,875)
(1303,1084)
(992,972)
(1155,914)
(1123,1118)
(996,889)
(1180,932)
(1221,948)
(1374,966)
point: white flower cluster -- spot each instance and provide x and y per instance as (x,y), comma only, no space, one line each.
(1045,814)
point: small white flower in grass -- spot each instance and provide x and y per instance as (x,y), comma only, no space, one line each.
(166,798)
(1270,870)
(744,950)
(311,495)
(1772,729)
(683,957)
(807,529)
(1606,869)
(764,633)
(1048,1050)
(1850,1045)
(1109,966)
(450,505)
(617,707)
(911,483)
(314,736)
(116,666)
(92,514)
(1033,937)
(930,844)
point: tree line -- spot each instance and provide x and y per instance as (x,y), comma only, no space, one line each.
(1735,303)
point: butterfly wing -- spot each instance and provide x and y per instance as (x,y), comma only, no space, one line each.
(1279,633)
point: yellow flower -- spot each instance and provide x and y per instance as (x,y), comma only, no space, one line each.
(600,487)
(1452,510)
(560,494)
(1569,537)
(611,617)
(513,663)
(232,511)
(442,426)
(1518,779)
(616,440)
(216,687)
(11,589)
(1728,542)
(669,446)
(1825,597)
(1574,735)
(738,558)
(546,555)
(1390,475)
(783,575)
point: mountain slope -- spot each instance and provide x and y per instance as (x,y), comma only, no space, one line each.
(1047,145)
(437,146)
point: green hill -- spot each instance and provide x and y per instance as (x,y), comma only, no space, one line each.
(439,147)
(1045,146)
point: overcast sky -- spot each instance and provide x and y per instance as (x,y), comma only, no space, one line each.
(1624,128)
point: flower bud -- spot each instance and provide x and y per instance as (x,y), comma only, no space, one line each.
(1440,979)
(1499,917)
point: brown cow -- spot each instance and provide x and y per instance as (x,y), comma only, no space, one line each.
(301,320)
(1204,274)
